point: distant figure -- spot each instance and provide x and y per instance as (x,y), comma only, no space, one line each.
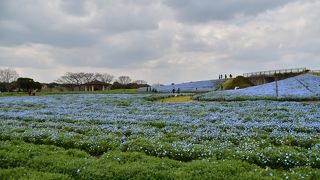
(147,89)
(173,90)
(178,91)
(230,76)
(219,76)
(225,76)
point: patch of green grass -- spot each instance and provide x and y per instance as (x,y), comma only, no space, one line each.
(315,73)
(157,124)
(5,94)
(176,99)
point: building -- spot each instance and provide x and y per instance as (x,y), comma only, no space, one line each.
(96,86)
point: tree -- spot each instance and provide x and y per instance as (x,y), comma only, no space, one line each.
(73,78)
(124,80)
(27,84)
(8,75)
(140,82)
(87,77)
(105,77)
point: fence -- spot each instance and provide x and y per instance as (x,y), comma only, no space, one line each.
(273,72)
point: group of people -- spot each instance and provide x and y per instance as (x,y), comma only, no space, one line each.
(174,90)
(225,76)
(152,90)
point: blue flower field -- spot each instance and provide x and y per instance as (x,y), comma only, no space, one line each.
(96,136)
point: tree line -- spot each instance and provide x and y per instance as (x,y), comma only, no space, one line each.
(10,81)
(77,79)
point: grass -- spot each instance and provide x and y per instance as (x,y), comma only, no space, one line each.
(43,93)
(20,160)
(176,99)
(239,81)
(315,73)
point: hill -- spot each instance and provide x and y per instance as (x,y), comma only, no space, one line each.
(239,81)
(198,86)
(302,87)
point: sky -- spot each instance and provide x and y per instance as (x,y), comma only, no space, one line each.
(160,41)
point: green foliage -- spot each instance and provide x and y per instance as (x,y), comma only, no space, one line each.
(281,76)
(117,85)
(315,73)
(19,160)
(239,81)
(25,173)
(26,84)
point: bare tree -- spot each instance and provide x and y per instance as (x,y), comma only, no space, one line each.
(71,78)
(105,77)
(88,77)
(8,75)
(140,82)
(124,80)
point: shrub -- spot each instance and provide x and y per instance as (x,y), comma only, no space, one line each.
(239,81)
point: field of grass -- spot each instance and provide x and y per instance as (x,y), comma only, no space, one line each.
(122,136)
(43,93)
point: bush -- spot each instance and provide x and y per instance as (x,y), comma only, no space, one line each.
(239,81)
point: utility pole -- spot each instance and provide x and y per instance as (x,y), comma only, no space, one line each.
(277,90)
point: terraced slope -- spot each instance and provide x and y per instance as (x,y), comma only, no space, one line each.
(302,87)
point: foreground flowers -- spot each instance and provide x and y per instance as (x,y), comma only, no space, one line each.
(281,136)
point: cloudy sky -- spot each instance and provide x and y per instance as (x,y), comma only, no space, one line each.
(158,40)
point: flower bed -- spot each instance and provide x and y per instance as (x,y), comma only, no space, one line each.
(281,138)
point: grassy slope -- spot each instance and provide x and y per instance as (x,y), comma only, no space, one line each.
(239,81)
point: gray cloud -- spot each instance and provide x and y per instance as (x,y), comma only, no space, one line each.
(73,23)
(161,40)
(208,10)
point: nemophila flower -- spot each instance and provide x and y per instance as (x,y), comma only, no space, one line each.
(254,131)
(300,87)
